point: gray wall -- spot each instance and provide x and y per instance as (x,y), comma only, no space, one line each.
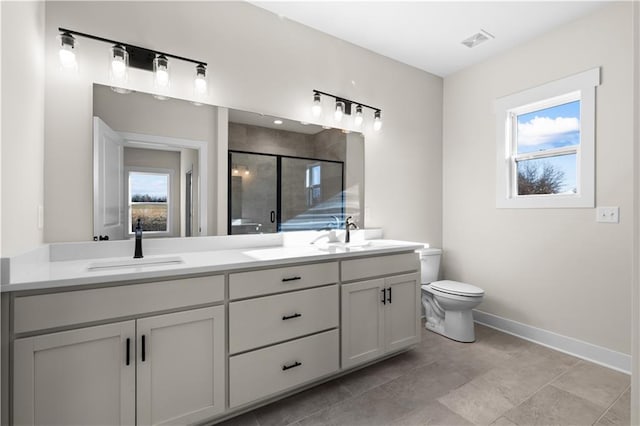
(329,144)
(22,130)
(556,269)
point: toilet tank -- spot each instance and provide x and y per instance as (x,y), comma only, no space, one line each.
(429,264)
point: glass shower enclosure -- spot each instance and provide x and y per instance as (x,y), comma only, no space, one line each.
(273,193)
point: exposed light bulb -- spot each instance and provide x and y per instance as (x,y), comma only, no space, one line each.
(377,121)
(119,72)
(200,82)
(339,113)
(358,118)
(246,172)
(278,122)
(161,72)
(67,52)
(316,108)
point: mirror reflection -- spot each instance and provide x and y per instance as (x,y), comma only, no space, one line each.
(155,160)
(149,164)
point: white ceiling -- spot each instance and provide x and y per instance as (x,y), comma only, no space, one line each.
(428,34)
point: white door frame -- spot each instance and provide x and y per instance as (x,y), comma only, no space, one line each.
(138,140)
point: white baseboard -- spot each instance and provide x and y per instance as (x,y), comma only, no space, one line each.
(587,351)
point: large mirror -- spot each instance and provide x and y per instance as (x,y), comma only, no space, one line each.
(163,161)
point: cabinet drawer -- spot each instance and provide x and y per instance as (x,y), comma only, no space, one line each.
(267,371)
(380,265)
(75,307)
(271,319)
(267,281)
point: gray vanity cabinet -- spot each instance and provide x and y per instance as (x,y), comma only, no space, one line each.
(380,315)
(77,377)
(150,370)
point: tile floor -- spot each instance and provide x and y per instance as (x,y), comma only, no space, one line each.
(498,380)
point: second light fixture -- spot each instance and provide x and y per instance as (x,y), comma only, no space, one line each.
(345,107)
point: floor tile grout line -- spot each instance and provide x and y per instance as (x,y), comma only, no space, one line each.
(549,383)
(612,404)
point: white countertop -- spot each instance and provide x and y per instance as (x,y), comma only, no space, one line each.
(39,272)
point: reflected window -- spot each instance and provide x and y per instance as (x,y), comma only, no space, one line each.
(313,184)
(148,200)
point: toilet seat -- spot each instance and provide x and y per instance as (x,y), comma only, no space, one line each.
(457,288)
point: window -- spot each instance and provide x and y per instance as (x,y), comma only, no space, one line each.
(313,183)
(149,201)
(545,145)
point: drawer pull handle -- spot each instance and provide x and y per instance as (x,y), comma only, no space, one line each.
(294,365)
(384,296)
(284,280)
(288,317)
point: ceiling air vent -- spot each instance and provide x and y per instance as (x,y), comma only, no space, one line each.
(478,38)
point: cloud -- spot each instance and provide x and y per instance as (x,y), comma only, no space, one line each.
(541,130)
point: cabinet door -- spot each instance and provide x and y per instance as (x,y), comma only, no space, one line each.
(402,315)
(181,368)
(362,322)
(77,377)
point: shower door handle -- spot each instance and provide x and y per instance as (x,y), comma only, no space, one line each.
(273,216)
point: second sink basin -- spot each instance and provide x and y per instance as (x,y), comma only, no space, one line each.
(135,263)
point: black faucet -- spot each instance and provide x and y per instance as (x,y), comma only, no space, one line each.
(138,251)
(348,225)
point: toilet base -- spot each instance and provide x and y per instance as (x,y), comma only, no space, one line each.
(457,325)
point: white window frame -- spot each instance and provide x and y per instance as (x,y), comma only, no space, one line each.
(581,87)
(155,171)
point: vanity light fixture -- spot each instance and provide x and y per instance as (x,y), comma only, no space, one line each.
(119,66)
(344,107)
(377,120)
(161,72)
(337,115)
(200,82)
(358,118)
(125,55)
(67,53)
(316,108)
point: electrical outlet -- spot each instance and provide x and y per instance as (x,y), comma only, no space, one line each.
(608,214)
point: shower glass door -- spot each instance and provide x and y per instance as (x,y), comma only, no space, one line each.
(312,194)
(253,193)
(272,193)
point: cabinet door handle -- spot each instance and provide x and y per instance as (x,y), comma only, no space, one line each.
(144,348)
(384,296)
(288,317)
(294,365)
(128,351)
(389,298)
(284,280)
(273,216)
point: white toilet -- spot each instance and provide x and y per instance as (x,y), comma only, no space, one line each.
(447,304)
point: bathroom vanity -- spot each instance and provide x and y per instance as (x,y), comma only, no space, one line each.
(200,340)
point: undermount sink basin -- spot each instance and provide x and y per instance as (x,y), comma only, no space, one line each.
(135,263)
(342,245)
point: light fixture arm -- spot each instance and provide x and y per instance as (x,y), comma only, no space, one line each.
(347,102)
(139,57)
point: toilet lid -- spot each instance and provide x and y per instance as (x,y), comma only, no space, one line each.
(455,287)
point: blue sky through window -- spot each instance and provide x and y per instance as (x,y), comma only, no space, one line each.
(154,185)
(554,127)
(548,128)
